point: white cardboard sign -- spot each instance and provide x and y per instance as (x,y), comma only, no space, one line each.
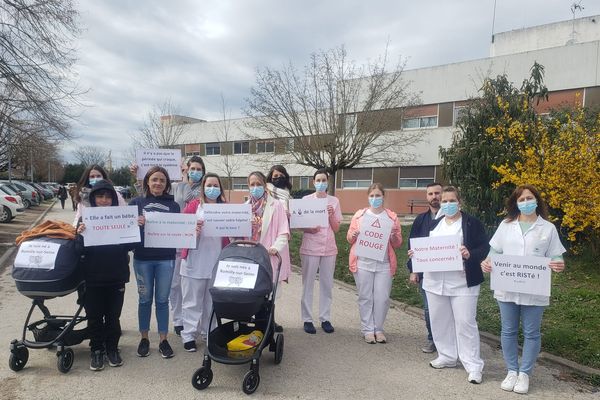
(234,274)
(308,213)
(169,159)
(170,230)
(521,274)
(436,254)
(372,241)
(37,255)
(110,225)
(227,220)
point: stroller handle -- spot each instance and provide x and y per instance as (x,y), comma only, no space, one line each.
(255,244)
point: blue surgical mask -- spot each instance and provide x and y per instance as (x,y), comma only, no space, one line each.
(195,176)
(449,209)
(321,186)
(376,202)
(527,207)
(212,192)
(93,181)
(257,191)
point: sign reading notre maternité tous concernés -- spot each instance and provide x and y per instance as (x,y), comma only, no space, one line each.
(436,254)
(521,274)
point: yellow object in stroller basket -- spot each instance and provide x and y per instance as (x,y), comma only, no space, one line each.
(243,345)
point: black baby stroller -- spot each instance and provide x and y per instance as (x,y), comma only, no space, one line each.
(42,282)
(241,310)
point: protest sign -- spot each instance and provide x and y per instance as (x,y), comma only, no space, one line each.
(227,220)
(169,159)
(110,225)
(37,255)
(436,254)
(308,213)
(521,274)
(234,274)
(372,241)
(170,230)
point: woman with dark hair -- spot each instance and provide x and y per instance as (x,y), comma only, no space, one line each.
(154,266)
(92,174)
(279,185)
(525,232)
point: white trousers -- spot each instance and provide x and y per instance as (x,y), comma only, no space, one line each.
(454,329)
(325,266)
(175,293)
(196,308)
(373,298)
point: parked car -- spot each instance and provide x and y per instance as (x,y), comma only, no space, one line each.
(125,191)
(52,186)
(47,193)
(28,194)
(30,185)
(10,207)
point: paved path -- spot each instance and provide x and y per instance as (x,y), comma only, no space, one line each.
(318,366)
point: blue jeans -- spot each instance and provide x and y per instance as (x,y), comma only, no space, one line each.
(426,310)
(531,320)
(153,279)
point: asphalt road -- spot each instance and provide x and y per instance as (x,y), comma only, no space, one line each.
(321,366)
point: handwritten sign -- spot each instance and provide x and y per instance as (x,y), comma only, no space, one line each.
(436,254)
(170,230)
(110,225)
(308,213)
(37,255)
(227,220)
(521,274)
(234,274)
(169,159)
(372,241)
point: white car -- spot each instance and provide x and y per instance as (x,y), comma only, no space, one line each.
(10,207)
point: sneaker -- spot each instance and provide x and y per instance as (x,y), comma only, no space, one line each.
(178,329)
(97,360)
(475,377)
(380,337)
(429,347)
(509,382)
(438,364)
(144,348)
(309,328)
(327,327)
(522,384)
(190,346)
(370,338)
(114,358)
(165,350)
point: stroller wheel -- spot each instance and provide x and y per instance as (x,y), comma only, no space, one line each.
(202,378)
(18,358)
(278,348)
(65,360)
(251,381)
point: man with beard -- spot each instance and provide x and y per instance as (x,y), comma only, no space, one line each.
(421,228)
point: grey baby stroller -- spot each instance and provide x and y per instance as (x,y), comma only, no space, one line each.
(41,282)
(243,295)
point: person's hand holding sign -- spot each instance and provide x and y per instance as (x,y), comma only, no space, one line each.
(464,252)
(557,266)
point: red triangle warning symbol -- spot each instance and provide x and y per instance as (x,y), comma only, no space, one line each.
(376,224)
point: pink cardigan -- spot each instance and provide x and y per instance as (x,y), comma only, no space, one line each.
(395,239)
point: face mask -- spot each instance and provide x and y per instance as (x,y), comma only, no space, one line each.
(280,182)
(320,186)
(212,192)
(195,176)
(449,209)
(527,207)
(93,181)
(257,191)
(376,202)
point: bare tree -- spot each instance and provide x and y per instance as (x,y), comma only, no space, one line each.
(88,155)
(162,128)
(229,163)
(335,114)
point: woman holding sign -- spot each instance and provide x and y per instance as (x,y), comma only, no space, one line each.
(524,232)
(373,276)
(154,266)
(197,265)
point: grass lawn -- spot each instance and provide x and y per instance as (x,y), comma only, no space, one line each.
(571,324)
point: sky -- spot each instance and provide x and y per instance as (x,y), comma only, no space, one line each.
(134,55)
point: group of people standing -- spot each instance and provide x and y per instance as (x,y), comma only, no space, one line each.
(180,278)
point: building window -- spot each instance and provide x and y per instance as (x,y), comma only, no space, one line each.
(265,147)
(241,147)
(350,184)
(305,182)
(289,144)
(420,122)
(415,182)
(459,112)
(192,153)
(416,177)
(213,149)
(357,178)
(240,184)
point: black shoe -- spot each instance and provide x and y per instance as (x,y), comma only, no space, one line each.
(309,328)
(165,350)
(190,346)
(178,329)
(114,358)
(327,327)
(278,328)
(97,360)
(144,348)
